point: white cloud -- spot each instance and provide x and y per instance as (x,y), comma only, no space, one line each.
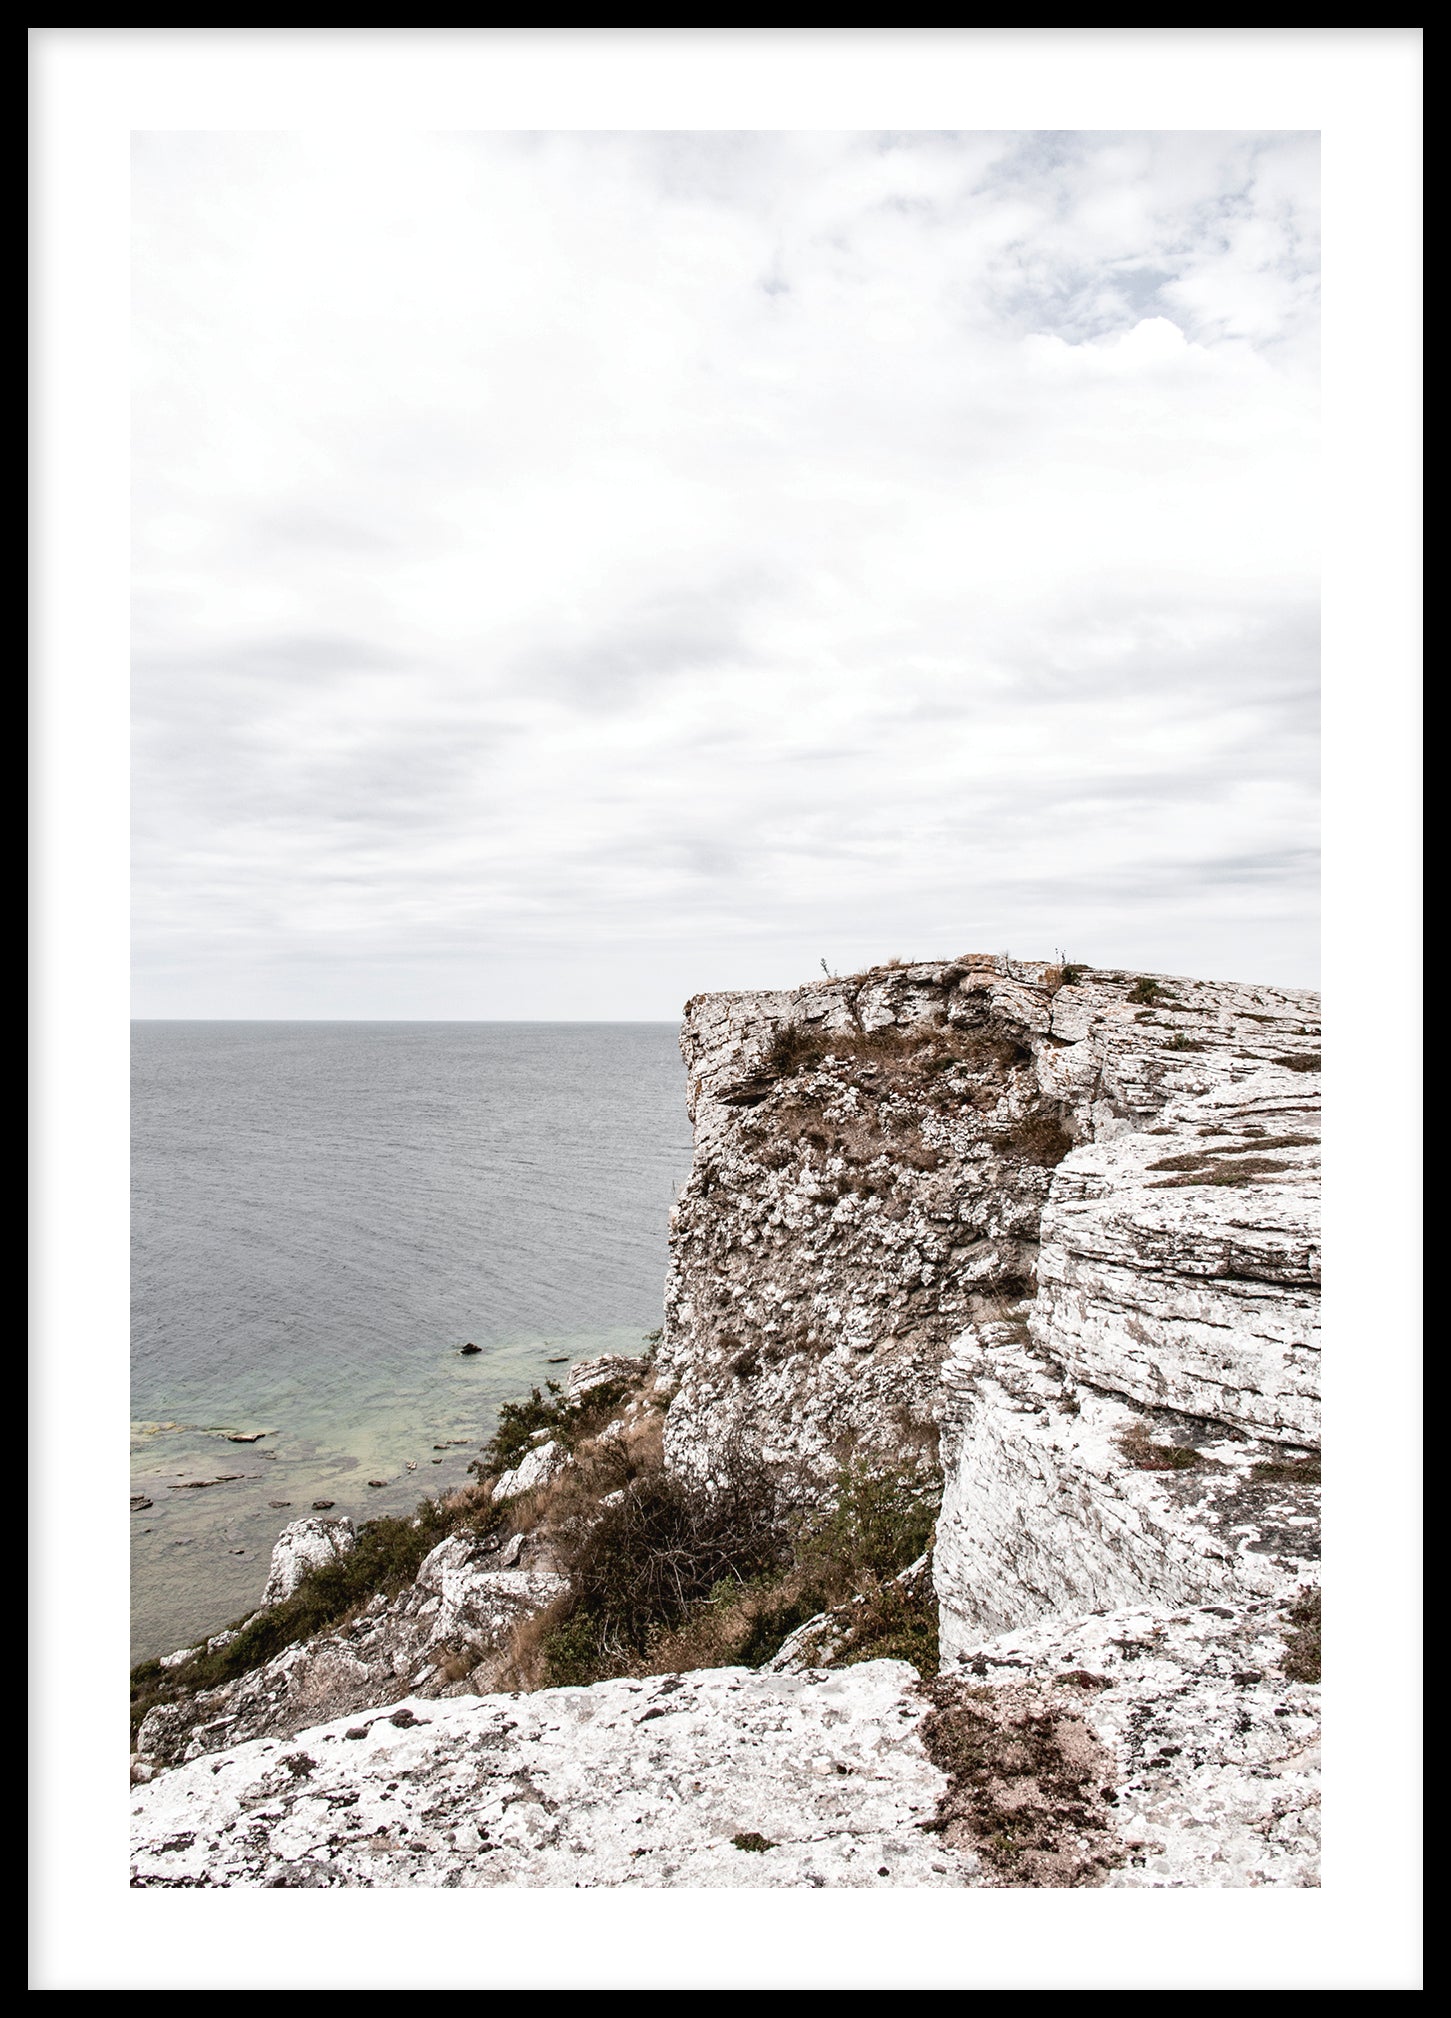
(572,571)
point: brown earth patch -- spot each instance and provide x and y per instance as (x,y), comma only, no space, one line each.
(1032,1787)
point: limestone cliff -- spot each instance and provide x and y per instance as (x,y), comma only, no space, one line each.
(1048,1235)
(1070,1220)
(878,1160)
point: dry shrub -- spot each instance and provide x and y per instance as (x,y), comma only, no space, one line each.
(1139,1447)
(673,1575)
(661,1544)
(1039,1138)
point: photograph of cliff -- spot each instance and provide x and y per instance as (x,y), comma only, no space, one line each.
(649,1367)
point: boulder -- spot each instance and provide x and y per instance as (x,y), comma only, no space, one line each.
(455,1618)
(534,1469)
(586,1374)
(305,1545)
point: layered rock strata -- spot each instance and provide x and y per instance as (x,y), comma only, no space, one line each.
(876,1161)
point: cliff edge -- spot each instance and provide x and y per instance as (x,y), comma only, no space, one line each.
(1037,1246)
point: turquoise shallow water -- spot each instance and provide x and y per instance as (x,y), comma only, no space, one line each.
(321,1215)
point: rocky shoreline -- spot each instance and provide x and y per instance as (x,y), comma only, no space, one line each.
(1038,1247)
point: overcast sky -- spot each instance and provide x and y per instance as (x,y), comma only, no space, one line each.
(575,571)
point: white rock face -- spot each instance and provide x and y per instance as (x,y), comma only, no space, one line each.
(305,1545)
(1202,1758)
(1196,1288)
(534,1469)
(851,1210)
(1179,1302)
(626,1783)
(1143,1428)
(438,1637)
(1047,1511)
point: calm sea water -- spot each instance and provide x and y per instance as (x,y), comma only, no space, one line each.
(322,1213)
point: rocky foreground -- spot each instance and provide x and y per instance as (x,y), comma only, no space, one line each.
(1049,1234)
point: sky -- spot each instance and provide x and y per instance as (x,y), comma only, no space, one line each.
(575,571)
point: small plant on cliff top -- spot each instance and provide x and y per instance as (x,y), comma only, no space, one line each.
(1146,1455)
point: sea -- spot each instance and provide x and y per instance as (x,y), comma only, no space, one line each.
(322,1215)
